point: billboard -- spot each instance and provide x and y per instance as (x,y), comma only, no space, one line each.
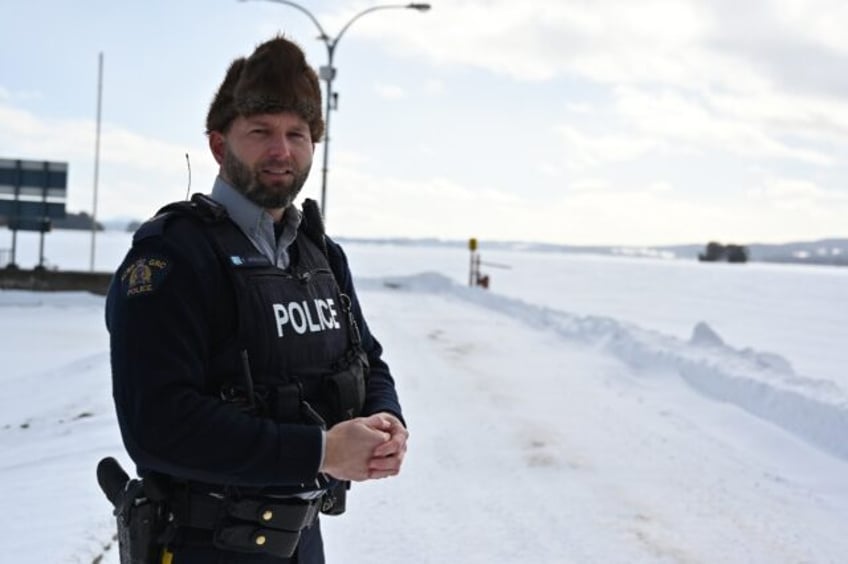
(32,193)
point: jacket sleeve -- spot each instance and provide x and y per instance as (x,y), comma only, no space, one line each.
(381,394)
(160,310)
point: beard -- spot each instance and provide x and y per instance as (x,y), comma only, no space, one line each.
(278,194)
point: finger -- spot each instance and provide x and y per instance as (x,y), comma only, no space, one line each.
(380,455)
(378,421)
(387,449)
(383,467)
(386,463)
(381,475)
(396,444)
(381,437)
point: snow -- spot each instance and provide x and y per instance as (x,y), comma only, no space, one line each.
(586,409)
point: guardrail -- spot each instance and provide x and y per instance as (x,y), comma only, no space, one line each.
(43,280)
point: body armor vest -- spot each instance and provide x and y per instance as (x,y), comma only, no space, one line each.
(295,355)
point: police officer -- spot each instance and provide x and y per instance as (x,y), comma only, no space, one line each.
(248,387)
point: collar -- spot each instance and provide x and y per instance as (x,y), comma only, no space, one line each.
(257,224)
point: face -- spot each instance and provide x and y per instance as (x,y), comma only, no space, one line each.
(266,157)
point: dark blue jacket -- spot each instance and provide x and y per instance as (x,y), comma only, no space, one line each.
(168,324)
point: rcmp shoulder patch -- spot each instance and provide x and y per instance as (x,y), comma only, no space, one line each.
(144,275)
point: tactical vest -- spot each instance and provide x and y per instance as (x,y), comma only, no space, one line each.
(296,353)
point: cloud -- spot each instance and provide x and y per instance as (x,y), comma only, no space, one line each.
(389,91)
(717,73)
(657,213)
(646,123)
(801,197)
(592,210)
(821,22)
(588,184)
(137,173)
(683,121)
(377,205)
(541,39)
(435,87)
(583,149)
(698,44)
(549,169)
(9,96)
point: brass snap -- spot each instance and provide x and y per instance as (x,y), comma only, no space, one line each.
(267,515)
(260,540)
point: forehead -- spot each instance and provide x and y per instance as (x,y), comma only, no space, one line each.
(285,120)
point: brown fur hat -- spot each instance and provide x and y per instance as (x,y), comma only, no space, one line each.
(275,78)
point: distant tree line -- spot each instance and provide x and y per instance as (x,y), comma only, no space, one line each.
(716,252)
(79,220)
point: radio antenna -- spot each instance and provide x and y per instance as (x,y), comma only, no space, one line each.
(188,188)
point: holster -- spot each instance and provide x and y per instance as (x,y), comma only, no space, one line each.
(138,532)
(139,516)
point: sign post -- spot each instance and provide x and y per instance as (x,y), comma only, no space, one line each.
(475,277)
(474,268)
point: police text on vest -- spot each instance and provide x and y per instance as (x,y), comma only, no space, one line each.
(304,317)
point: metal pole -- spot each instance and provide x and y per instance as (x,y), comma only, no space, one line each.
(96,157)
(44,215)
(41,246)
(329,80)
(17,213)
(14,245)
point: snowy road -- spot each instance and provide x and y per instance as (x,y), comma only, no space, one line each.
(526,446)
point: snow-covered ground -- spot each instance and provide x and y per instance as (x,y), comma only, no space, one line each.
(586,409)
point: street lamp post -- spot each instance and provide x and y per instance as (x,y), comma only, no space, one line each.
(328,72)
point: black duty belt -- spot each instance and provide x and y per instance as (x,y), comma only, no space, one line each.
(251,524)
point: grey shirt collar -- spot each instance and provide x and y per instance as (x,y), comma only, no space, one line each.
(257,224)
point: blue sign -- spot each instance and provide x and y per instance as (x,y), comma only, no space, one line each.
(32,193)
(32,209)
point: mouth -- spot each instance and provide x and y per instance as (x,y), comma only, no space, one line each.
(277,171)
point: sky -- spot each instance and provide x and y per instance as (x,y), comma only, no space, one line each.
(561,121)
(586,409)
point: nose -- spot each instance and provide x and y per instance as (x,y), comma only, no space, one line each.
(279,147)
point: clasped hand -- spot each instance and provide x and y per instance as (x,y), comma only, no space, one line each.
(365,448)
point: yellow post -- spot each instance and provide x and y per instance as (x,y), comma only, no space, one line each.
(472,269)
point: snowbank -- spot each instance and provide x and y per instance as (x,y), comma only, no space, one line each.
(763,384)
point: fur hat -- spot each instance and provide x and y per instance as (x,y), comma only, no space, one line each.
(275,78)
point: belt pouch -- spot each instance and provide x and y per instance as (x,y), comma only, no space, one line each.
(345,390)
(264,525)
(287,403)
(284,514)
(248,537)
(334,501)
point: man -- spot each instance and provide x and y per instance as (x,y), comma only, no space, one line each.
(247,384)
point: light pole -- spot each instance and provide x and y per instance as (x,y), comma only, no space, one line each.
(328,72)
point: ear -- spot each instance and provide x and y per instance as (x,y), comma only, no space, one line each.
(218,145)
